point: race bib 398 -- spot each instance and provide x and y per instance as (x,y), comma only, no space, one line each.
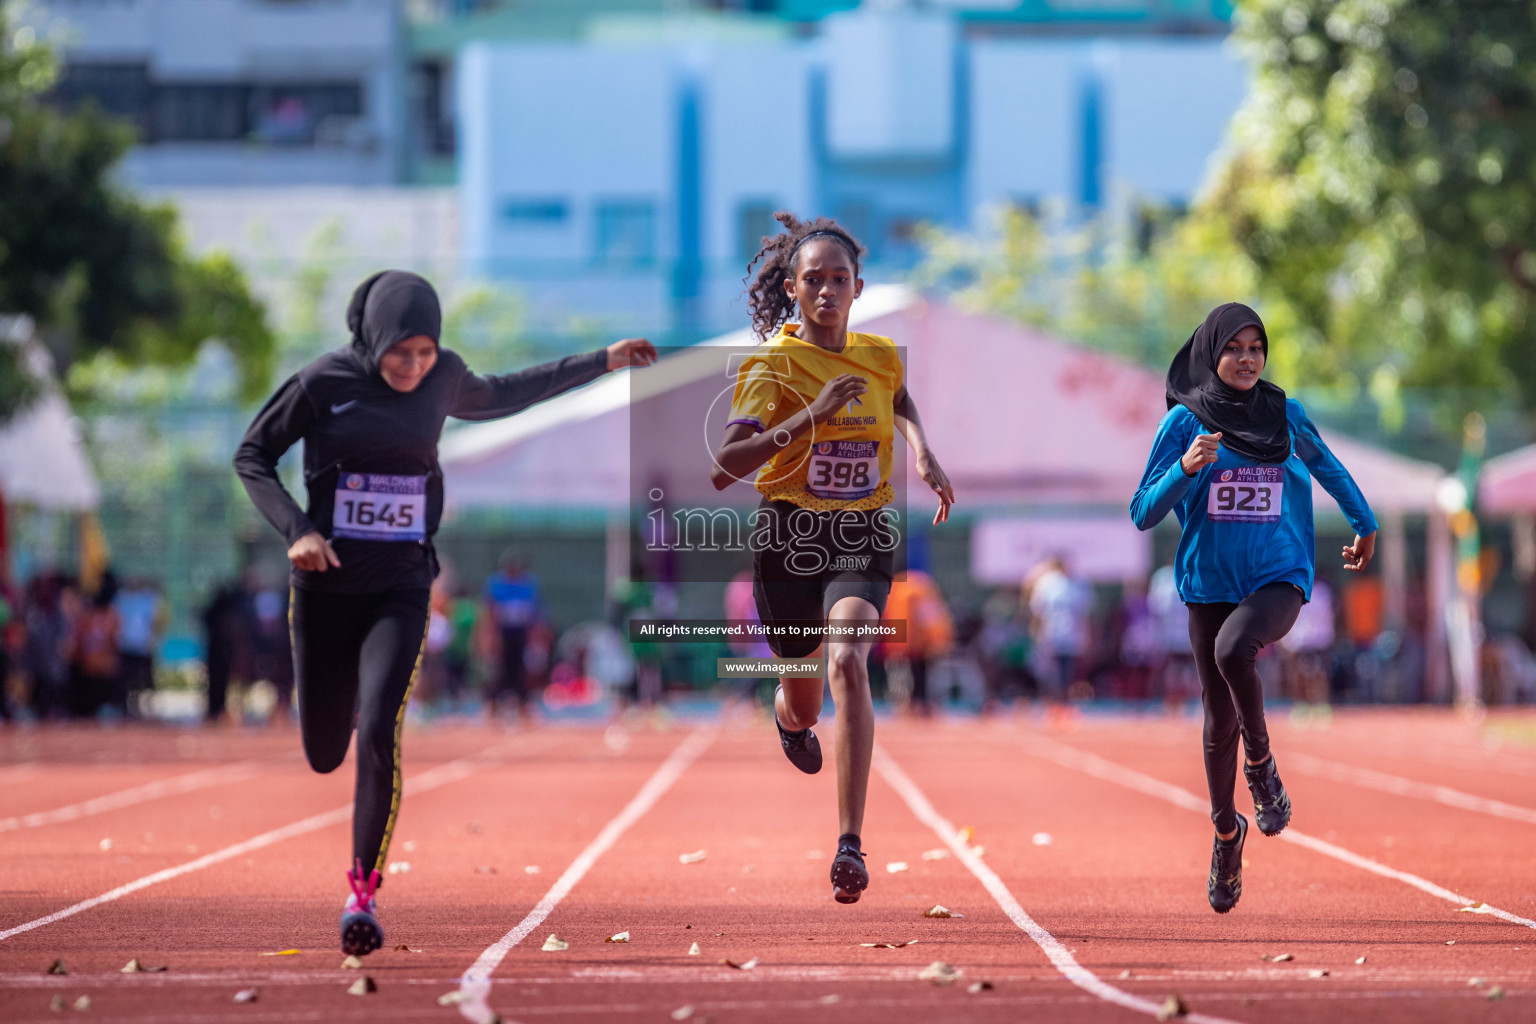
(1246,494)
(380,506)
(844,470)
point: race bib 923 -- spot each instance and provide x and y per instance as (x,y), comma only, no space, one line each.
(380,506)
(1246,494)
(844,470)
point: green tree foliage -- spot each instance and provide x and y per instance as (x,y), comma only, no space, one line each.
(99,271)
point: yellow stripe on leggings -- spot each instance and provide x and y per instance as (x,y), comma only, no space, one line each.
(394,800)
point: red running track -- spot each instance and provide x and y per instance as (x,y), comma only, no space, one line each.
(1081,881)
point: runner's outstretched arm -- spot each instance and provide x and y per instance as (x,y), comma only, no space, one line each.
(493,397)
(911,427)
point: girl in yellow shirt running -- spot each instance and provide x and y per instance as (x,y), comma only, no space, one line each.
(813,416)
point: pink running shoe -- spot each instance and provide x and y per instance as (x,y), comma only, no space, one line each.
(361,933)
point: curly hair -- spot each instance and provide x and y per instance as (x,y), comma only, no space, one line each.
(767,300)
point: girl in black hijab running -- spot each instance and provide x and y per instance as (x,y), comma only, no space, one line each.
(370,415)
(1234,460)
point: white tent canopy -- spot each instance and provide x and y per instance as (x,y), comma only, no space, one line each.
(42,461)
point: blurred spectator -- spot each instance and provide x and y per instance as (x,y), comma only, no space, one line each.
(95,667)
(1307,646)
(463,615)
(1005,647)
(1174,676)
(12,635)
(512,597)
(1059,605)
(227,629)
(270,643)
(741,607)
(430,682)
(45,653)
(1140,650)
(141,615)
(916,600)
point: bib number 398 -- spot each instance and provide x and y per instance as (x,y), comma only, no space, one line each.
(380,506)
(843,470)
(1246,494)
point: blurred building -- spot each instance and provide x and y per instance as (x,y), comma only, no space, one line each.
(241,92)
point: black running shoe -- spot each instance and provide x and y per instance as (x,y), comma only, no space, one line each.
(361,932)
(801,747)
(849,876)
(1225,886)
(1271,803)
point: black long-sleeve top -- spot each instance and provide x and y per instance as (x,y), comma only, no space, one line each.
(350,419)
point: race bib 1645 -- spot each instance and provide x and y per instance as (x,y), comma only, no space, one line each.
(380,506)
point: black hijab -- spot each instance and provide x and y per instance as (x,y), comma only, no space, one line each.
(388,308)
(1252,423)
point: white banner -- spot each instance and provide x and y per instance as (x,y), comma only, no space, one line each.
(1097,549)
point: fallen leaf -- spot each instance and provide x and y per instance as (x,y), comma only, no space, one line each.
(692,858)
(979,986)
(1360,960)
(966,834)
(1496,993)
(351,963)
(621,937)
(134,967)
(938,911)
(682,1013)
(57,967)
(555,944)
(83,1003)
(1172,1007)
(694,950)
(1278,958)
(403,948)
(57,1004)
(1450,942)
(1475,908)
(1042,839)
(1317,972)
(246,995)
(105,844)
(363,986)
(399,867)
(531,869)
(829,1000)
(980,851)
(453,998)
(936,854)
(897,865)
(283,952)
(744,966)
(938,972)
(1125,975)
(410,846)
(888,945)
(1476,982)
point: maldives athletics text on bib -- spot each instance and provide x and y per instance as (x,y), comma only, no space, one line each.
(843,470)
(1246,494)
(380,506)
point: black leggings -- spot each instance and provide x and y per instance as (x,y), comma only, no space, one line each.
(355,659)
(1226,639)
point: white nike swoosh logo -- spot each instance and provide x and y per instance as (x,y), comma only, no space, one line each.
(343,407)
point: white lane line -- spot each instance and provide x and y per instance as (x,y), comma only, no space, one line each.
(137,795)
(475,986)
(427,780)
(1059,956)
(1369,778)
(1098,767)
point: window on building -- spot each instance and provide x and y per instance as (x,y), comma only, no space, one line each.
(200,112)
(858,218)
(122,90)
(626,232)
(754,222)
(535,211)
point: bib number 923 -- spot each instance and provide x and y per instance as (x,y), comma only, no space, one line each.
(1246,494)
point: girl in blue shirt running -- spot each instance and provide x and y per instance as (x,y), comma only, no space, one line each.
(1234,460)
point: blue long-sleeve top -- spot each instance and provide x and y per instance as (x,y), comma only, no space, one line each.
(1246,523)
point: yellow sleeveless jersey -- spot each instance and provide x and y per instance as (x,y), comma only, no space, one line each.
(845,462)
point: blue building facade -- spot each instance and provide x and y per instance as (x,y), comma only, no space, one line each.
(629,181)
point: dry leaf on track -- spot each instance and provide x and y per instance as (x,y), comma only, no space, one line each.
(682,1013)
(363,986)
(977,987)
(692,858)
(1172,1007)
(1496,993)
(744,966)
(620,937)
(938,972)
(938,911)
(966,834)
(453,998)
(283,952)
(1317,972)
(1360,960)
(1476,982)
(399,867)
(555,944)
(938,853)
(694,950)
(247,995)
(888,945)
(1125,975)
(1042,839)
(135,967)
(1475,908)
(83,1003)
(403,948)
(57,967)
(896,866)
(1450,942)
(57,1004)
(1277,958)
(351,963)
(531,869)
